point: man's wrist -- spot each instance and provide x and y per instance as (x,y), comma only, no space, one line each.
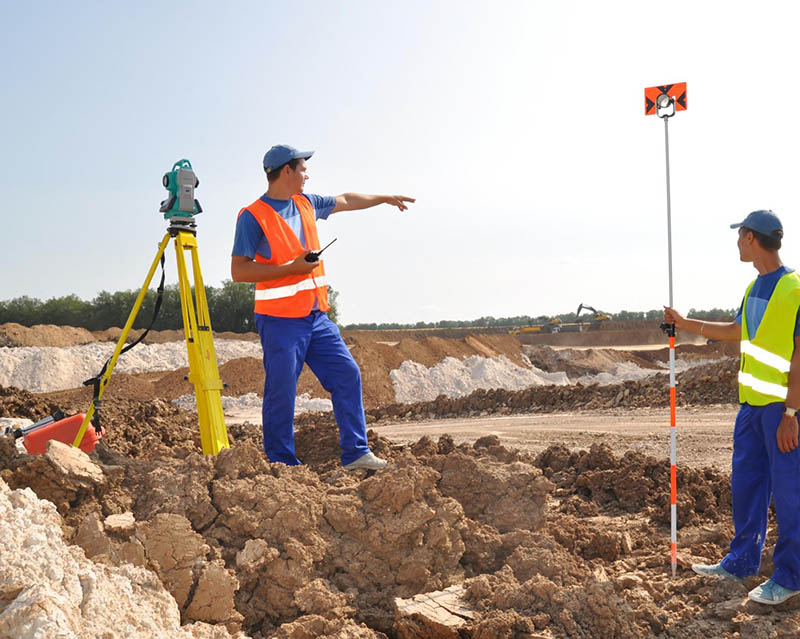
(789,411)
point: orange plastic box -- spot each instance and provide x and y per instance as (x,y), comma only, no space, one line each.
(64,431)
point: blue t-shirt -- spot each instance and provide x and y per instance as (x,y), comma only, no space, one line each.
(759,298)
(250,238)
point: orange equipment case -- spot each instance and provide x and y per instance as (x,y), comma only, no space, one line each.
(64,430)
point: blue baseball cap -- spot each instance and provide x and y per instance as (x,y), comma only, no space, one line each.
(280,154)
(765,222)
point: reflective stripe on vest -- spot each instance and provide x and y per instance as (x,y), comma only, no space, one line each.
(766,359)
(291,295)
(765,388)
(290,290)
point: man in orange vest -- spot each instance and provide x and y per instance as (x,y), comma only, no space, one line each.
(276,237)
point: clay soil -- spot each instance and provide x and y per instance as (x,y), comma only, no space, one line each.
(549,506)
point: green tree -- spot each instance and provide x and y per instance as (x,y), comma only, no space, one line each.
(69,310)
(333,299)
(232,307)
(22,310)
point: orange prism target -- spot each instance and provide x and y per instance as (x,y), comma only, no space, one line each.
(675,91)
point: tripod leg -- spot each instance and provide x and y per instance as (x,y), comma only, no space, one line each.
(203,369)
(122,339)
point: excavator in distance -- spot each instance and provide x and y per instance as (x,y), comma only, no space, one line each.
(598,317)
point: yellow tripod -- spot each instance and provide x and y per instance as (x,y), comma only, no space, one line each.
(203,369)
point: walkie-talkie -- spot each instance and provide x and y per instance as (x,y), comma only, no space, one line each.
(313,256)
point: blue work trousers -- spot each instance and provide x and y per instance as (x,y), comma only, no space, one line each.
(288,343)
(760,472)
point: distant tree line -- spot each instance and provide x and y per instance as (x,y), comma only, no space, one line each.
(715,314)
(230,307)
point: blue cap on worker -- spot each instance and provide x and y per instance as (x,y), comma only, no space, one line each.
(765,222)
(280,154)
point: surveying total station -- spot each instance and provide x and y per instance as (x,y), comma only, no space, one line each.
(179,210)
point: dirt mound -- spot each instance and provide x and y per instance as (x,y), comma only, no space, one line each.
(120,386)
(19,403)
(709,384)
(612,334)
(564,544)
(691,352)
(714,383)
(246,375)
(240,376)
(632,483)
(576,363)
(295,542)
(12,334)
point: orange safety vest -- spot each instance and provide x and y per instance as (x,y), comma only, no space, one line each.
(292,295)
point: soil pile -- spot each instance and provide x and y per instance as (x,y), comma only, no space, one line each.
(244,543)
(711,384)
(12,334)
(576,363)
(508,368)
(564,544)
(47,369)
(148,532)
(610,334)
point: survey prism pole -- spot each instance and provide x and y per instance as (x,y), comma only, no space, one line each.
(665,101)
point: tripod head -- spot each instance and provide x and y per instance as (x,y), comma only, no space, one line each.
(181,207)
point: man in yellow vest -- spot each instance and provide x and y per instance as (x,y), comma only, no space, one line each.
(275,244)
(766,457)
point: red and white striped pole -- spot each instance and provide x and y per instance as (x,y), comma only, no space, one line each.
(664,101)
(673,454)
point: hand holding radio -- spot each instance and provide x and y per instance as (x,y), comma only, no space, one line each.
(308,261)
(313,256)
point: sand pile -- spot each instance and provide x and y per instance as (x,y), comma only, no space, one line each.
(48,368)
(414,382)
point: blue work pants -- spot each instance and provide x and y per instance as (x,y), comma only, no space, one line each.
(760,472)
(315,340)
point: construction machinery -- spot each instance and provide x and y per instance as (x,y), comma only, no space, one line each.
(555,325)
(598,317)
(552,326)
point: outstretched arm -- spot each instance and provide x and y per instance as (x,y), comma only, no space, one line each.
(724,331)
(358,201)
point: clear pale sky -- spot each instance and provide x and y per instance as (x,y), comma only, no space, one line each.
(518,125)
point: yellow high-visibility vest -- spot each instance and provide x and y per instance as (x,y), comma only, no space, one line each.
(765,360)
